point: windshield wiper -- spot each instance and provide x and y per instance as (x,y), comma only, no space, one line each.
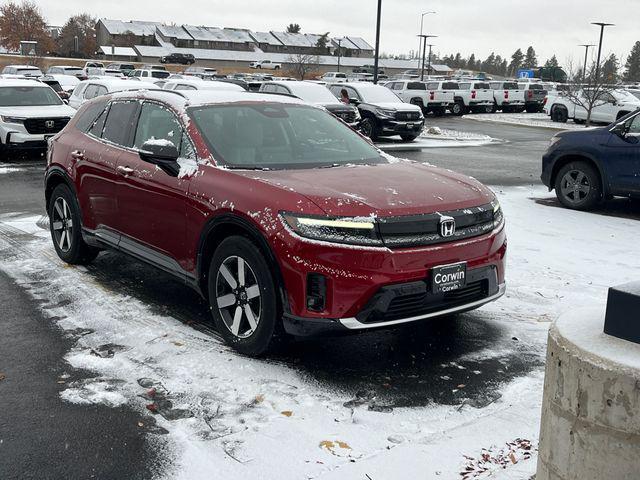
(331,165)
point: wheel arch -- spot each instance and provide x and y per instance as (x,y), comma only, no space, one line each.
(54,177)
(225,226)
(578,157)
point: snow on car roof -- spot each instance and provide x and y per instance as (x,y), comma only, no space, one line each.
(23,67)
(183,98)
(114,84)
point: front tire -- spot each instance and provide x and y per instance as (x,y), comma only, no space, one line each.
(577,186)
(408,138)
(65,225)
(368,128)
(242,297)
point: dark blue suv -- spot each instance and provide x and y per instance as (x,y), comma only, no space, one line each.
(588,165)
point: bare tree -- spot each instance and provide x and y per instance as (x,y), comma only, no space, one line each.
(302,64)
(23,21)
(588,94)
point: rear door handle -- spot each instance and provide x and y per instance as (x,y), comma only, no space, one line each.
(77,155)
(126,171)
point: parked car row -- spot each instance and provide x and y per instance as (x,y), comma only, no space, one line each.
(607,105)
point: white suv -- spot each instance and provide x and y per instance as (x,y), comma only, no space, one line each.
(30,113)
(22,70)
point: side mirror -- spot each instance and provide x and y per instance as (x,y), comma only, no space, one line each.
(354,101)
(620,129)
(163,153)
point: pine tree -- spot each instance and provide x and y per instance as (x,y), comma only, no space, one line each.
(293,28)
(552,62)
(457,61)
(632,67)
(516,61)
(610,69)
(530,59)
(471,63)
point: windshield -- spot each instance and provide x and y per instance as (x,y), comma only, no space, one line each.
(378,94)
(28,97)
(72,70)
(312,93)
(279,136)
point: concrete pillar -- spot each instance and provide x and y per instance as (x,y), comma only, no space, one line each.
(591,404)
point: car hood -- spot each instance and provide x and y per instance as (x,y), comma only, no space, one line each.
(38,111)
(402,188)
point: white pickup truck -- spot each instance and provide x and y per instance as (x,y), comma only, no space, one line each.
(418,93)
(609,107)
(475,96)
(265,64)
(508,97)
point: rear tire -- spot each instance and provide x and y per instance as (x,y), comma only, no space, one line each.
(577,186)
(439,111)
(65,225)
(244,305)
(559,114)
(458,109)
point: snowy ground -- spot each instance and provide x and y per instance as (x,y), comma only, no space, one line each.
(232,417)
(540,120)
(435,137)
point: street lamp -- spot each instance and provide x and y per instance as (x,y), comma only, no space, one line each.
(429,59)
(339,41)
(424,48)
(419,40)
(586,51)
(375,61)
(601,25)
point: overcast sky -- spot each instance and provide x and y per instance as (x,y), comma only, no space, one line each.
(480,27)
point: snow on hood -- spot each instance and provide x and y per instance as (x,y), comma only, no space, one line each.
(403,188)
(38,111)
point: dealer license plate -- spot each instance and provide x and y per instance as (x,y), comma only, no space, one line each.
(447,278)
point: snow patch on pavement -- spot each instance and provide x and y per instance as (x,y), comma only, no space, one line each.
(435,137)
(539,120)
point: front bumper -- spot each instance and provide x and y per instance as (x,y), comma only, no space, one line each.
(24,141)
(361,283)
(396,127)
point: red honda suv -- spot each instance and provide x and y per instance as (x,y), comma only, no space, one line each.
(284,218)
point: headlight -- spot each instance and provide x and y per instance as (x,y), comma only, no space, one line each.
(12,119)
(498,217)
(385,112)
(352,231)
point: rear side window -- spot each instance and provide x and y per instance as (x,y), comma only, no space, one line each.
(416,86)
(120,123)
(89,115)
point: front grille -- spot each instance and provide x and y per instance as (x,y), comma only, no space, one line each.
(38,126)
(417,230)
(423,303)
(406,116)
(415,299)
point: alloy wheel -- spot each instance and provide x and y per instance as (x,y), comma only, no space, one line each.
(62,224)
(367,128)
(575,186)
(238,296)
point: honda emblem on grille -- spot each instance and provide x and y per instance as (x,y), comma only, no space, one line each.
(447,226)
(49,124)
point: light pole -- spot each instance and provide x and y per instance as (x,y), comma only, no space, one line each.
(375,61)
(424,48)
(419,39)
(339,51)
(586,51)
(429,57)
(601,25)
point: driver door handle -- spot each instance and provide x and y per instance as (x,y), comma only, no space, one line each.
(126,171)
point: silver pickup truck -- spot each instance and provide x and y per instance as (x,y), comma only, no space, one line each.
(534,94)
